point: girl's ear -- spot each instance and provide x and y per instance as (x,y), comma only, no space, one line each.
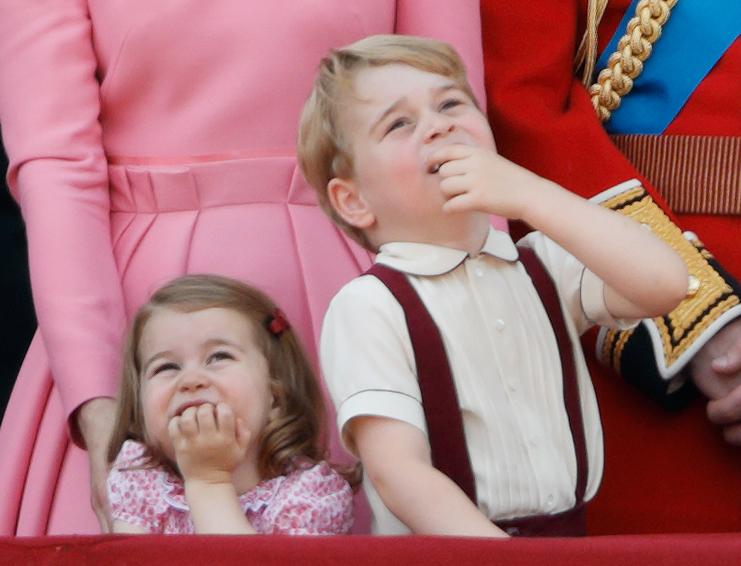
(276,395)
(345,198)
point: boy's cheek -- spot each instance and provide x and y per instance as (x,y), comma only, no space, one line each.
(405,168)
(387,179)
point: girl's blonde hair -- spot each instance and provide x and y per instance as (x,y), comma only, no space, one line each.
(323,149)
(295,432)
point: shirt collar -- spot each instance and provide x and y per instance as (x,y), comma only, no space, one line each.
(430,259)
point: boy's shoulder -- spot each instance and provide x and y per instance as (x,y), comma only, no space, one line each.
(365,289)
(363,301)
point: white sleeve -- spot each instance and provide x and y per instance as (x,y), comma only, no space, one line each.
(581,291)
(367,357)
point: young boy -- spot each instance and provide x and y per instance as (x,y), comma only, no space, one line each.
(404,161)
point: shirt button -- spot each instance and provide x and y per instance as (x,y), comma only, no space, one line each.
(511,386)
(549,501)
(499,324)
(533,441)
(479,272)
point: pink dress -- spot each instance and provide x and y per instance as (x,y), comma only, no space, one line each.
(152,139)
(312,500)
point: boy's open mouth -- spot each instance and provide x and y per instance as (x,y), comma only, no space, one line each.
(435,167)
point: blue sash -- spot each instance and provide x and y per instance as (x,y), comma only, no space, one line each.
(694,38)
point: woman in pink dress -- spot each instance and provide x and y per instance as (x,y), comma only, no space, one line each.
(149,140)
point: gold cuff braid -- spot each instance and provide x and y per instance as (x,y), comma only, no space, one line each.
(708,298)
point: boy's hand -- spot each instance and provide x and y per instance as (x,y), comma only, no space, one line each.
(209,442)
(474,178)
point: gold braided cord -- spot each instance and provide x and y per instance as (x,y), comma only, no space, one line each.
(605,354)
(623,66)
(586,55)
(622,340)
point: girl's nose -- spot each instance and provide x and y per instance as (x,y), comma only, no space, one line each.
(438,126)
(192,379)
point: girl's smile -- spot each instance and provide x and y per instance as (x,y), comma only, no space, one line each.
(194,358)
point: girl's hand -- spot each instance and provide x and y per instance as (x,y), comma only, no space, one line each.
(478,179)
(209,443)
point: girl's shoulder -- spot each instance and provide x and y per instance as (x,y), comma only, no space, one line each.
(137,491)
(133,471)
(319,476)
(312,499)
(132,454)
(306,479)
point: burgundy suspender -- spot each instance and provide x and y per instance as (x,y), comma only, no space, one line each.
(439,397)
(549,297)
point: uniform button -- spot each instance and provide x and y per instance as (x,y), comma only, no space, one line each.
(499,324)
(689,236)
(512,531)
(693,286)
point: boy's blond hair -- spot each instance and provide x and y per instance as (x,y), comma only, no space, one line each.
(323,151)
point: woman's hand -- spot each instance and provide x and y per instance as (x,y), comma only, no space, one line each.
(95,420)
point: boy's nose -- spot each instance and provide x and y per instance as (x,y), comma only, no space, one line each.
(439,126)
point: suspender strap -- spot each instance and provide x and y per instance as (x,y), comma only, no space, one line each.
(549,297)
(439,397)
(569,523)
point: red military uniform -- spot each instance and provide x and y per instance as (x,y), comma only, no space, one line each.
(663,472)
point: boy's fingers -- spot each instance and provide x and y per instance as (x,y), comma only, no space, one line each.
(448,153)
(453,168)
(452,186)
(460,203)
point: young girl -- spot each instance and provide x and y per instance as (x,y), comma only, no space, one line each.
(218,422)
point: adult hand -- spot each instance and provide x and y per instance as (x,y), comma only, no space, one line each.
(95,420)
(716,370)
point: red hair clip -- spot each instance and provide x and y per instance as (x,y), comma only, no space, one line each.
(277,323)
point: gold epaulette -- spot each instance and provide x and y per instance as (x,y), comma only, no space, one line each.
(710,303)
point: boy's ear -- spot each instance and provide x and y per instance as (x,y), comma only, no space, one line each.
(347,201)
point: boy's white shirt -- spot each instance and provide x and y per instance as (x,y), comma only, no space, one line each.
(500,347)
